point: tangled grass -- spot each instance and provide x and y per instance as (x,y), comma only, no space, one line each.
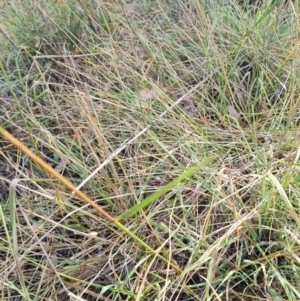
(121,97)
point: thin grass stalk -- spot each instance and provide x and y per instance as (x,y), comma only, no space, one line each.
(13,223)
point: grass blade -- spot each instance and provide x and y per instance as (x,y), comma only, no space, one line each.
(151,198)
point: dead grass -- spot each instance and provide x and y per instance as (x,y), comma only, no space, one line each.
(79,80)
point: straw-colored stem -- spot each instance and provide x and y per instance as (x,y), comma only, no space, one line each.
(80,194)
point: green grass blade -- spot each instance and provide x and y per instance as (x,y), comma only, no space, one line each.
(151,198)
(12,206)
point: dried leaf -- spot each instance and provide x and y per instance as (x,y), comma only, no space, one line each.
(37,42)
(233,113)
(146,94)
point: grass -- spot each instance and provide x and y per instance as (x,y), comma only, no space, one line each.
(124,99)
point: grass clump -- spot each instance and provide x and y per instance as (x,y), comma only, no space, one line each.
(121,98)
